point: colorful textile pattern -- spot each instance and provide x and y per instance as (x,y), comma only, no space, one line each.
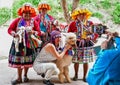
(83,55)
(24,58)
(44,6)
(29,42)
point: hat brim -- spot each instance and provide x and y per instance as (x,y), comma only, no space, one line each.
(86,12)
(44,6)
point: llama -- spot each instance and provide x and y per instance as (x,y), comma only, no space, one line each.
(63,64)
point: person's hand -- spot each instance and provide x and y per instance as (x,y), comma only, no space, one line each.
(104,44)
(42,33)
(16,35)
(30,32)
(88,38)
(67,46)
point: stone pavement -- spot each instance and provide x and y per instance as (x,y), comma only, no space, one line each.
(8,74)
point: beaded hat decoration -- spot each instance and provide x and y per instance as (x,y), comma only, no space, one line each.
(44,6)
(27,7)
(77,12)
(55,34)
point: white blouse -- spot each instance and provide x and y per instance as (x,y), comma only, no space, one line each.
(44,56)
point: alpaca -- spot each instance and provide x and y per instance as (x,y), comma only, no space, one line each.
(63,64)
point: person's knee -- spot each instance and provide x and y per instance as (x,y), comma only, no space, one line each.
(55,69)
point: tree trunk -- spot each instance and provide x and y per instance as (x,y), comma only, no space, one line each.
(64,6)
(75,4)
(65,10)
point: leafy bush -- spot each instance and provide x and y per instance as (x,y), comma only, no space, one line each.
(85,1)
(4,15)
(98,15)
(116,14)
(106,4)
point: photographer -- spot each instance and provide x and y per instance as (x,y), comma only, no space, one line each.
(105,70)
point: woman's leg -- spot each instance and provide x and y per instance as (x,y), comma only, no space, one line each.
(76,68)
(51,69)
(19,73)
(26,71)
(48,69)
(19,77)
(25,74)
(85,69)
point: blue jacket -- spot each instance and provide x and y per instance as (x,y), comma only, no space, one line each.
(106,70)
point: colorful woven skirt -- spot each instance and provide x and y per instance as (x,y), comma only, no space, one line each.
(83,55)
(23,58)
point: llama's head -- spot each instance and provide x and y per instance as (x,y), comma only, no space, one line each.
(69,38)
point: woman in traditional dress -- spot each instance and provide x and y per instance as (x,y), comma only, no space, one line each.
(23,49)
(45,21)
(85,40)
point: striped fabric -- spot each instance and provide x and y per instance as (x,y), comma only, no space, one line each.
(22,58)
(84,55)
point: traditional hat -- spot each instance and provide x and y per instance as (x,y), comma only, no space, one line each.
(54,34)
(44,6)
(27,7)
(81,11)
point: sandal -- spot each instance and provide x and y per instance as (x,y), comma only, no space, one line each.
(16,82)
(75,78)
(25,79)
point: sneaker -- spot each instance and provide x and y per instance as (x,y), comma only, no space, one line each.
(47,82)
(16,82)
(26,79)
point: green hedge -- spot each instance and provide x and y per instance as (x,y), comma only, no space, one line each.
(98,15)
(116,14)
(106,4)
(4,15)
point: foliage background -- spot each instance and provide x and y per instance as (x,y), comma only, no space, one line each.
(105,10)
